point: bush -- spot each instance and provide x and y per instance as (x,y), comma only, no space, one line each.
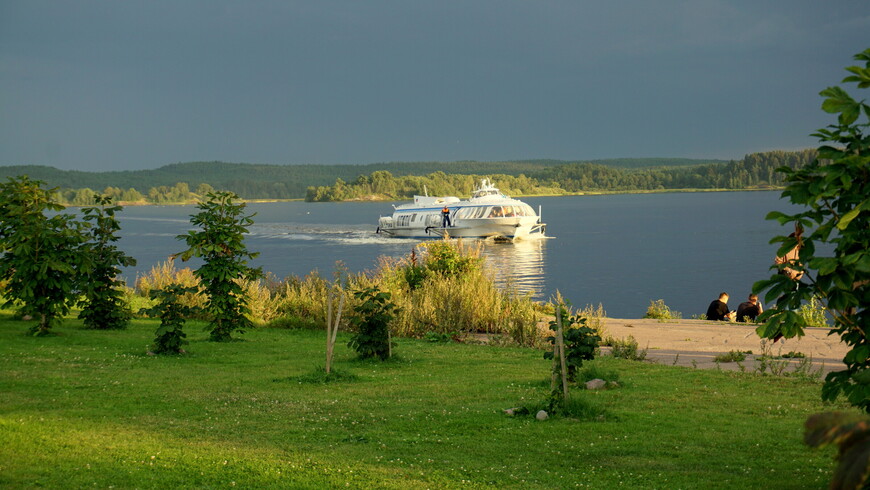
(169,335)
(813,313)
(462,301)
(627,348)
(733,356)
(658,309)
(372,321)
(581,342)
(450,258)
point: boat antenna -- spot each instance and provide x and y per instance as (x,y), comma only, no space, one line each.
(425,191)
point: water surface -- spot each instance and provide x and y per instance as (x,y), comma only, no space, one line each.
(619,250)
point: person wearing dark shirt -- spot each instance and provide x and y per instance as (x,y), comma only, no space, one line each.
(718,309)
(749,310)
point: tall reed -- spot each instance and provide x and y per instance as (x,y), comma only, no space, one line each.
(440,287)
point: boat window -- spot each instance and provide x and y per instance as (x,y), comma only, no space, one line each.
(496,212)
(413,217)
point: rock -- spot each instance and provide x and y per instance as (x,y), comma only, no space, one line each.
(542,415)
(612,384)
(511,411)
(596,384)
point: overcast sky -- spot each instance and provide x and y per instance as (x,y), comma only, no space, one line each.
(100,85)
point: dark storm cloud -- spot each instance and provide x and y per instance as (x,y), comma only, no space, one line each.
(99,85)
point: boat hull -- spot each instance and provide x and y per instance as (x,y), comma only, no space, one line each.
(476,228)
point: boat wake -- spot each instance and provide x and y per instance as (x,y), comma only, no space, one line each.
(338,234)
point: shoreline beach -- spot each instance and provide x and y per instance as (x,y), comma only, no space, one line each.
(696,343)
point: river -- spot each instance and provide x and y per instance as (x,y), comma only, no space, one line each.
(620,250)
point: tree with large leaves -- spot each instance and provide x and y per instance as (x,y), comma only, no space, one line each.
(834,191)
(103,305)
(219,241)
(41,253)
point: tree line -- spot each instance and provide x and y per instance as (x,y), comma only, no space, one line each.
(268,181)
(755,171)
(187,182)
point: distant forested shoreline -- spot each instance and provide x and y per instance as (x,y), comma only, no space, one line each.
(186,182)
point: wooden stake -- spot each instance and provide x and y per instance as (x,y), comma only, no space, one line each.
(337,322)
(328,330)
(561,343)
(332,329)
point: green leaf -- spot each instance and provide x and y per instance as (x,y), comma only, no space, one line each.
(836,100)
(851,215)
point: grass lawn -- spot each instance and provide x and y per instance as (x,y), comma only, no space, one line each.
(90,408)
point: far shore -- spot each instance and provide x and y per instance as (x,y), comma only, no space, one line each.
(375,198)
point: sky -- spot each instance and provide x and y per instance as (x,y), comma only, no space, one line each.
(101,85)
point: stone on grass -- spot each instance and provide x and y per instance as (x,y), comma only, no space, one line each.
(596,384)
(542,415)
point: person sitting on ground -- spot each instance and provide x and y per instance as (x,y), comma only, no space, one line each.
(749,310)
(718,309)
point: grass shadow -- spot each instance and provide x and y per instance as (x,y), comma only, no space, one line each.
(320,376)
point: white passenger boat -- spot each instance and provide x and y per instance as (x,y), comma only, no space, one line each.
(488,213)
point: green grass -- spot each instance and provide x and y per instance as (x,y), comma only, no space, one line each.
(90,408)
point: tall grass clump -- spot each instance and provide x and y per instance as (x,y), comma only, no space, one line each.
(814,313)
(442,287)
(456,294)
(595,318)
(627,348)
(659,310)
(164,275)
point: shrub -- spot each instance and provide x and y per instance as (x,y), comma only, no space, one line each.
(464,302)
(813,313)
(451,258)
(732,356)
(372,321)
(580,341)
(658,309)
(172,313)
(627,348)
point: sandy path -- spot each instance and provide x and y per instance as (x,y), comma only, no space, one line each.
(697,342)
